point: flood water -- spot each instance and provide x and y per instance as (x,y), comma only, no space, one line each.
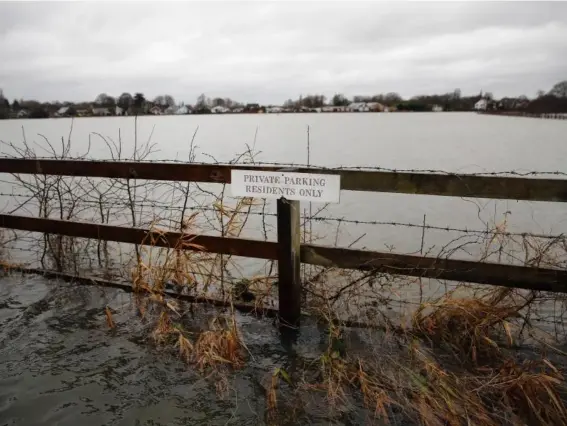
(59,363)
(448,142)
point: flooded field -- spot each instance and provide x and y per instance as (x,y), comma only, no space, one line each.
(60,364)
(98,356)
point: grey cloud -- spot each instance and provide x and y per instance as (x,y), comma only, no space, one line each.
(270,51)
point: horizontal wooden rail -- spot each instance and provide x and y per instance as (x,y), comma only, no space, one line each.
(374,181)
(396,264)
(542,279)
(233,246)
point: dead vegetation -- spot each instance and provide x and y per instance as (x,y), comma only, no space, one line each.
(454,366)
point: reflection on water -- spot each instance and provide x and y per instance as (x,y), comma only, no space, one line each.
(60,364)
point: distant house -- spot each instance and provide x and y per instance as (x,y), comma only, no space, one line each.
(219,110)
(119,111)
(305,109)
(521,103)
(155,110)
(63,112)
(333,108)
(100,111)
(23,114)
(481,105)
(375,106)
(170,110)
(437,108)
(274,110)
(82,112)
(182,110)
(252,108)
(238,110)
(359,107)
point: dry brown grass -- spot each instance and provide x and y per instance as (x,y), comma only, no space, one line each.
(532,390)
(374,396)
(158,266)
(7,265)
(109,319)
(456,365)
(186,348)
(220,345)
(469,326)
(416,385)
(163,328)
(277,376)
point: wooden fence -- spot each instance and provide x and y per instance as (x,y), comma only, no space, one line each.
(287,250)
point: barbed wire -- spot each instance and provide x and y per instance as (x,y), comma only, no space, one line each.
(440,228)
(387,300)
(518,173)
(340,220)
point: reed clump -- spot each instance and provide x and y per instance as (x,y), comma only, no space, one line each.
(471,327)
(456,364)
(220,345)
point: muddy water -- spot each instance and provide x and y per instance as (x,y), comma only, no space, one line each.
(61,365)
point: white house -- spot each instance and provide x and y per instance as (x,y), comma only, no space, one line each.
(274,110)
(437,108)
(101,111)
(333,108)
(170,110)
(182,110)
(359,107)
(155,110)
(481,105)
(219,110)
(22,114)
(62,112)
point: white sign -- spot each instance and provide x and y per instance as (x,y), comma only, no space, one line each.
(292,186)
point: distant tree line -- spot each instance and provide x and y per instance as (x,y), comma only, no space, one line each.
(553,101)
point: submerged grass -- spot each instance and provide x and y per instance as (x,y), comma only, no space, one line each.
(220,345)
(470,327)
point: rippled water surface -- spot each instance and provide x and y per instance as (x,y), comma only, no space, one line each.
(61,365)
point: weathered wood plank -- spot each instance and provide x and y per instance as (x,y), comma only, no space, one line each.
(289,262)
(445,269)
(233,246)
(511,188)
(373,181)
(397,264)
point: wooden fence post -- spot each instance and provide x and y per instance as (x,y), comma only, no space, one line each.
(289,262)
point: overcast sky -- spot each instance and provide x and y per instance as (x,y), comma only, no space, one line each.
(269,52)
